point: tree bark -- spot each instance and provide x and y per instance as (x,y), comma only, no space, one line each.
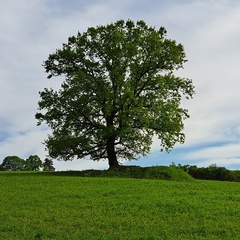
(112,158)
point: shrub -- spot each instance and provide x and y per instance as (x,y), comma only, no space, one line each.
(212,172)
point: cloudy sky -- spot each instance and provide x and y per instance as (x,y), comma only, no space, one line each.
(208,29)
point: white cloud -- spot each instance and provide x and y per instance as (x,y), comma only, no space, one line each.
(229,163)
(80,164)
(225,151)
(213,54)
(24,144)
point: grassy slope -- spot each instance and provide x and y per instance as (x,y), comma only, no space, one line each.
(157,172)
(48,206)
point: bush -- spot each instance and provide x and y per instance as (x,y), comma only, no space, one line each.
(212,172)
(234,176)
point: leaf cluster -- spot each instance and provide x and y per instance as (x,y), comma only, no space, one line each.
(119,85)
(15,163)
(212,172)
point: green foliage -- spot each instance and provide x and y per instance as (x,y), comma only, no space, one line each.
(13,163)
(33,163)
(234,175)
(119,91)
(48,165)
(44,205)
(212,172)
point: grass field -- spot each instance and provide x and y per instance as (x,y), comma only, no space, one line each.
(49,206)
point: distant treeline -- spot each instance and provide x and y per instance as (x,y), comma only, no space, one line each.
(33,163)
(212,172)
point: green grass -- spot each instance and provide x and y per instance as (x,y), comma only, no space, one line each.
(156,172)
(51,206)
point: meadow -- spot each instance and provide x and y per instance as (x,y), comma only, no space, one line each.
(66,206)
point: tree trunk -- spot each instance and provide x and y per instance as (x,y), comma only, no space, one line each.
(112,158)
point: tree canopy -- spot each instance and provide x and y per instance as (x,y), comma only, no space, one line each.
(15,163)
(33,163)
(120,90)
(48,165)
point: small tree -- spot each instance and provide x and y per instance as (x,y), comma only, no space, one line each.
(119,92)
(13,163)
(33,163)
(48,165)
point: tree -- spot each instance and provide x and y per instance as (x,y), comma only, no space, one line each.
(13,163)
(48,165)
(119,91)
(33,163)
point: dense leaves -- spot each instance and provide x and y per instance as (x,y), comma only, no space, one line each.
(212,172)
(48,165)
(15,163)
(33,163)
(119,91)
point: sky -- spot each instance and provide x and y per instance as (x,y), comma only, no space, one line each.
(209,31)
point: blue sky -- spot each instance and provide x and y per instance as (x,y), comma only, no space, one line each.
(208,29)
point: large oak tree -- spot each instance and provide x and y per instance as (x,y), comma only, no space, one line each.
(120,90)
